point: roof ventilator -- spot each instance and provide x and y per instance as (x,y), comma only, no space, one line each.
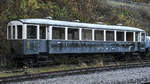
(76,20)
(100,23)
(119,24)
(49,18)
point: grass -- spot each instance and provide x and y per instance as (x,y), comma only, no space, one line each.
(45,69)
(10,74)
(58,68)
(118,4)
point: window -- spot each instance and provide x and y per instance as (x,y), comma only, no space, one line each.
(13,32)
(42,32)
(129,36)
(9,32)
(31,32)
(86,34)
(99,35)
(143,37)
(58,33)
(73,34)
(120,36)
(137,36)
(19,31)
(109,35)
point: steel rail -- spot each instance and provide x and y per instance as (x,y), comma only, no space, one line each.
(70,72)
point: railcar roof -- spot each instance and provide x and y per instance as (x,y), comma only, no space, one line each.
(77,24)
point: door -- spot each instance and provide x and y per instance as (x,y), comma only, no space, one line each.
(43,39)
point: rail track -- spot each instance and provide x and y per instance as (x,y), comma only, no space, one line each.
(71,72)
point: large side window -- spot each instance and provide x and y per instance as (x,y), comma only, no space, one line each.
(86,34)
(19,31)
(31,32)
(129,36)
(42,32)
(73,34)
(99,35)
(58,33)
(120,36)
(109,35)
(9,32)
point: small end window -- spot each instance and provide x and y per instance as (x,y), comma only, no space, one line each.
(9,32)
(19,31)
(143,37)
(137,36)
(13,32)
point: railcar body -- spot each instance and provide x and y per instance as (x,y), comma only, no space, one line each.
(46,36)
(147,43)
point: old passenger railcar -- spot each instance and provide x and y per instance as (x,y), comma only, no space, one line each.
(32,37)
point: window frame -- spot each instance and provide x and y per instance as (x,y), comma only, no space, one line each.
(14,32)
(82,34)
(46,27)
(141,36)
(95,33)
(36,31)
(113,36)
(132,36)
(53,32)
(9,32)
(123,35)
(21,33)
(137,37)
(78,33)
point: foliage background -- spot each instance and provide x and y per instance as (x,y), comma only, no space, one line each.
(91,11)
